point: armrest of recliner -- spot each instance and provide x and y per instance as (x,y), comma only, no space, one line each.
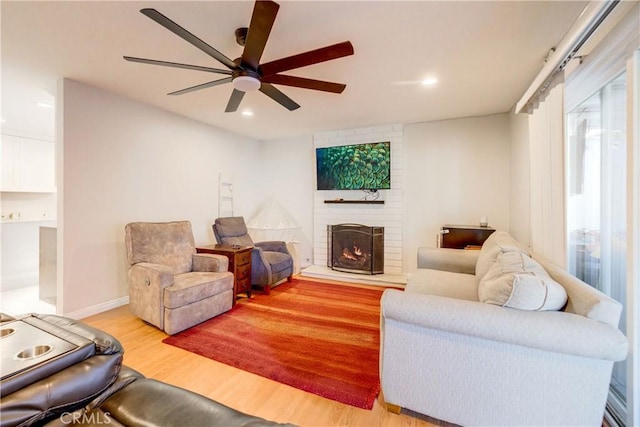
(150,402)
(146,291)
(71,387)
(210,263)
(554,331)
(150,277)
(273,246)
(260,268)
(454,260)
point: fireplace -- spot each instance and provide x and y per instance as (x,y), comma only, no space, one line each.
(355,248)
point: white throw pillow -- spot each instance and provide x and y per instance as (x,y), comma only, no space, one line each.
(517,281)
(497,242)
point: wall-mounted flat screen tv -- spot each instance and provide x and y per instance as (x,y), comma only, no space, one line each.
(354,167)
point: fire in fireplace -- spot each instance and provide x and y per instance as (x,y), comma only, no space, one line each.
(355,248)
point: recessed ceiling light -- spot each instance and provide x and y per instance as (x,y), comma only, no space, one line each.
(44,105)
(429,82)
(247,113)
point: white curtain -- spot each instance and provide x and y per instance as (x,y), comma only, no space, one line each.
(547,176)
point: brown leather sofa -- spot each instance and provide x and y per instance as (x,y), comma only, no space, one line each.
(87,385)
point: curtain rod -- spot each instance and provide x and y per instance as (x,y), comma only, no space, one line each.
(586,24)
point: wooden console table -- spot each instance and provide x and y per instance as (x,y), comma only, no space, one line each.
(464,236)
(239,264)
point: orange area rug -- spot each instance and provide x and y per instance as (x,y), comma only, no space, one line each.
(318,337)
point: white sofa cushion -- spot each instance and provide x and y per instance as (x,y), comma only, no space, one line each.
(497,243)
(517,281)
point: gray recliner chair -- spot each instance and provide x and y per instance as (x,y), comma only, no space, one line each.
(271,262)
(170,285)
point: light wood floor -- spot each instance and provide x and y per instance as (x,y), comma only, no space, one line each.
(249,393)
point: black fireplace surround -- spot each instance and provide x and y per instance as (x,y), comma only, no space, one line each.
(355,248)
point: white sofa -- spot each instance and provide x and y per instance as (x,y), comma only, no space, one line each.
(446,354)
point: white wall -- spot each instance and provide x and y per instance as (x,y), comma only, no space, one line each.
(289,177)
(456,171)
(123,161)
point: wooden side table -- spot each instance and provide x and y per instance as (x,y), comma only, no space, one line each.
(464,236)
(239,264)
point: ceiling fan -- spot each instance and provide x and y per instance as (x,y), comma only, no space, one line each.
(247,73)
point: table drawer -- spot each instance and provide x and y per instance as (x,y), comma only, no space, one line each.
(243,258)
(243,285)
(243,271)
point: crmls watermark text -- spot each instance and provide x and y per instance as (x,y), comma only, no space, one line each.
(92,418)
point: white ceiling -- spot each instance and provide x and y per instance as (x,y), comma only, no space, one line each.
(483,53)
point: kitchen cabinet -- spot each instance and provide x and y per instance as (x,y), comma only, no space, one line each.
(28,165)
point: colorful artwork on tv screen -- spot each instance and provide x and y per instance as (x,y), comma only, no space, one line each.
(354,167)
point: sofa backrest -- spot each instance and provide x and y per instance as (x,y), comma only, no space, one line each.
(165,243)
(232,231)
(583,299)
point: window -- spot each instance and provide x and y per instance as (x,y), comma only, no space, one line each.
(597,201)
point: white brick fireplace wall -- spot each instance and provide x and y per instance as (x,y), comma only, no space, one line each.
(388,215)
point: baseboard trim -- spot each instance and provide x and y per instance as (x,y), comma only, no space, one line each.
(98,308)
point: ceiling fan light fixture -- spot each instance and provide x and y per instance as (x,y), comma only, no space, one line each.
(246,73)
(246,83)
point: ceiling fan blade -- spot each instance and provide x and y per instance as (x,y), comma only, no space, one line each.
(177,65)
(234,101)
(264,14)
(305,83)
(279,97)
(202,86)
(307,58)
(186,35)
